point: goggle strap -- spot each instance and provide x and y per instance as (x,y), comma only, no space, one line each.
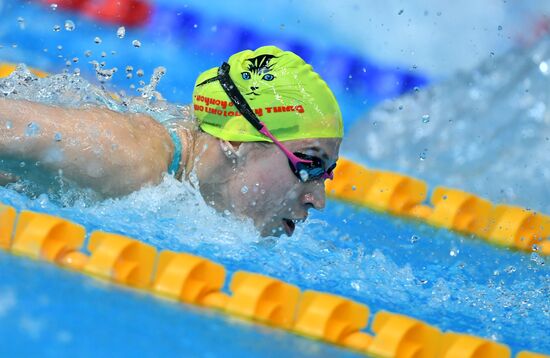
(293,159)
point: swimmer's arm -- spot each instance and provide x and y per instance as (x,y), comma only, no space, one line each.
(110,152)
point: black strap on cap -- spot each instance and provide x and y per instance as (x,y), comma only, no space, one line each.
(234,95)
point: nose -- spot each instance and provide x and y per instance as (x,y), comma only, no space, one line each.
(315,196)
(254,88)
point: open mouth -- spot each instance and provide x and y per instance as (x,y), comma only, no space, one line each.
(289,225)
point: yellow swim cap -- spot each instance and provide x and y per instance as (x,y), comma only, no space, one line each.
(284,92)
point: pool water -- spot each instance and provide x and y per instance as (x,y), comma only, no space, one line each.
(451,281)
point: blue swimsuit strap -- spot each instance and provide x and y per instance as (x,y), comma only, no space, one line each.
(175,164)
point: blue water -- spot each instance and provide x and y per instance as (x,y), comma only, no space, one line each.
(451,281)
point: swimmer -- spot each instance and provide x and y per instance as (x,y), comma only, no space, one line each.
(263,138)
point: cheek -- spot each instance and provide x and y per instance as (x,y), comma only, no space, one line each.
(268,181)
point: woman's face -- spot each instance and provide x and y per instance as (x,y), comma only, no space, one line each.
(266,190)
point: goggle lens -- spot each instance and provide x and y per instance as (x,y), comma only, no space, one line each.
(310,168)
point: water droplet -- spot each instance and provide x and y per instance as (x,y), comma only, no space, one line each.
(22,164)
(136,43)
(195,26)
(304,176)
(69,25)
(244,189)
(57,28)
(32,129)
(139,72)
(536,258)
(57,137)
(21,22)
(543,67)
(75,59)
(129,69)
(121,32)
(9,125)
(88,53)
(423,155)
(510,269)
(426,118)
(499,27)
(454,252)
(97,40)
(414,239)
(53,7)
(129,75)
(103,54)
(416,89)
(353,187)
(400,12)
(400,108)
(103,74)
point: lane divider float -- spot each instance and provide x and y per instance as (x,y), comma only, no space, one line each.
(453,209)
(195,280)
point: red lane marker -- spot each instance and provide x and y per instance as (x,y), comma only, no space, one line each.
(117,12)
